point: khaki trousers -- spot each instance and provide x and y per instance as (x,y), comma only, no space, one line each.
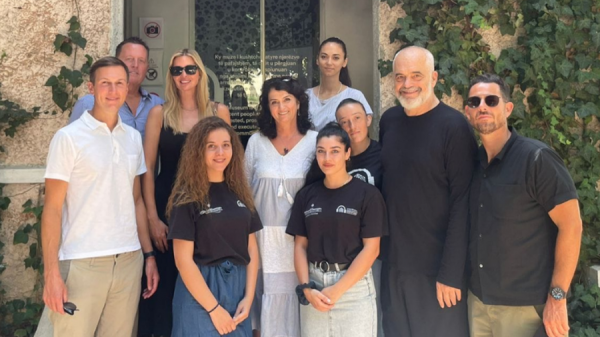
(504,321)
(106,291)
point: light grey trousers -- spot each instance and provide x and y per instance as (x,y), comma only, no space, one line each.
(354,314)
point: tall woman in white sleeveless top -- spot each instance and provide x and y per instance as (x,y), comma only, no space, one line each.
(335,84)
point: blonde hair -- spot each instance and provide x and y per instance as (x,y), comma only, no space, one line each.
(172,108)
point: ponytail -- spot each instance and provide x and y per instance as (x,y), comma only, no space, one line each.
(345,77)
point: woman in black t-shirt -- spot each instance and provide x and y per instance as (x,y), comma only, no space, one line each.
(364,164)
(212,224)
(337,222)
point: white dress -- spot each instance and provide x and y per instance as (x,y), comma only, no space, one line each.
(323,111)
(275,180)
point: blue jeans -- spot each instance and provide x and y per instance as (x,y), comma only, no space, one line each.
(354,314)
(227,282)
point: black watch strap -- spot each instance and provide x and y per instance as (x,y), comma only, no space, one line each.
(148,254)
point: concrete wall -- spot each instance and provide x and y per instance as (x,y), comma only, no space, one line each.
(27,30)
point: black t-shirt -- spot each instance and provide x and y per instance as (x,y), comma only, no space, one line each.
(220,232)
(367,165)
(427,163)
(513,238)
(336,220)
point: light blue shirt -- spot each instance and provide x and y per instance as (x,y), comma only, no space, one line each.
(137,122)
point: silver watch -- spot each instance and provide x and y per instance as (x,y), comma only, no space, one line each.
(557,293)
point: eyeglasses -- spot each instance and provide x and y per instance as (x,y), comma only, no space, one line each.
(69,308)
(491,101)
(177,70)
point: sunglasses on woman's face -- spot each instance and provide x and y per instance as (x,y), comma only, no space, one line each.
(177,70)
(491,101)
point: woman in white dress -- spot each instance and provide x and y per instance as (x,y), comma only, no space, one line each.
(277,159)
(335,84)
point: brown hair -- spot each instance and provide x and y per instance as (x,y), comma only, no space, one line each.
(132,40)
(108,61)
(191,184)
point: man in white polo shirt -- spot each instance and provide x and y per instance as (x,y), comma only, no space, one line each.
(93,199)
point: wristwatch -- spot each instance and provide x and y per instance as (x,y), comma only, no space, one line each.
(557,293)
(148,254)
(300,291)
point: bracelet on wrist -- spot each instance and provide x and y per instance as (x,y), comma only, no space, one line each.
(213,309)
(300,291)
(149,254)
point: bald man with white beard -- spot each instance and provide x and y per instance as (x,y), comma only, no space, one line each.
(428,154)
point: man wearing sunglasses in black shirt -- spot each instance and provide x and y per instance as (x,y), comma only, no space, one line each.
(525,225)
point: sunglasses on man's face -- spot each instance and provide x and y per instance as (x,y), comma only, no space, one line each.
(491,101)
(177,70)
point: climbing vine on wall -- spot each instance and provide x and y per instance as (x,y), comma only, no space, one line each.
(64,84)
(555,73)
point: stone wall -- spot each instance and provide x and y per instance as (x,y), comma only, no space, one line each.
(27,31)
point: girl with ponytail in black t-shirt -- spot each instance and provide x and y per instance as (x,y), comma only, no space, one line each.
(212,224)
(337,221)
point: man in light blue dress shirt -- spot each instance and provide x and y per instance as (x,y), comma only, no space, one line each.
(135,53)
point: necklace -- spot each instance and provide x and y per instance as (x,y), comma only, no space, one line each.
(189,109)
(286,143)
(319,92)
(286,149)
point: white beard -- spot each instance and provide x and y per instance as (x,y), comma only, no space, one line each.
(413,103)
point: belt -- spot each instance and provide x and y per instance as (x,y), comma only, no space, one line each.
(325,266)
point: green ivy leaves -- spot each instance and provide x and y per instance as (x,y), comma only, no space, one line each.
(12,115)
(64,84)
(24,317)
(584,311)
(64,43)
(564,68)
(66,80)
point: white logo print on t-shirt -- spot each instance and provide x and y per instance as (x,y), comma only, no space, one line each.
(364,175)
(312,211)
(211,210)
(346,210)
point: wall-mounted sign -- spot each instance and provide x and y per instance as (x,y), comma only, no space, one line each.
(152,32)
(155,74)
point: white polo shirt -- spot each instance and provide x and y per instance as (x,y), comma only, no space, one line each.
(98,216)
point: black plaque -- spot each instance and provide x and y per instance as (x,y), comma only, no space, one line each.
(228,40)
